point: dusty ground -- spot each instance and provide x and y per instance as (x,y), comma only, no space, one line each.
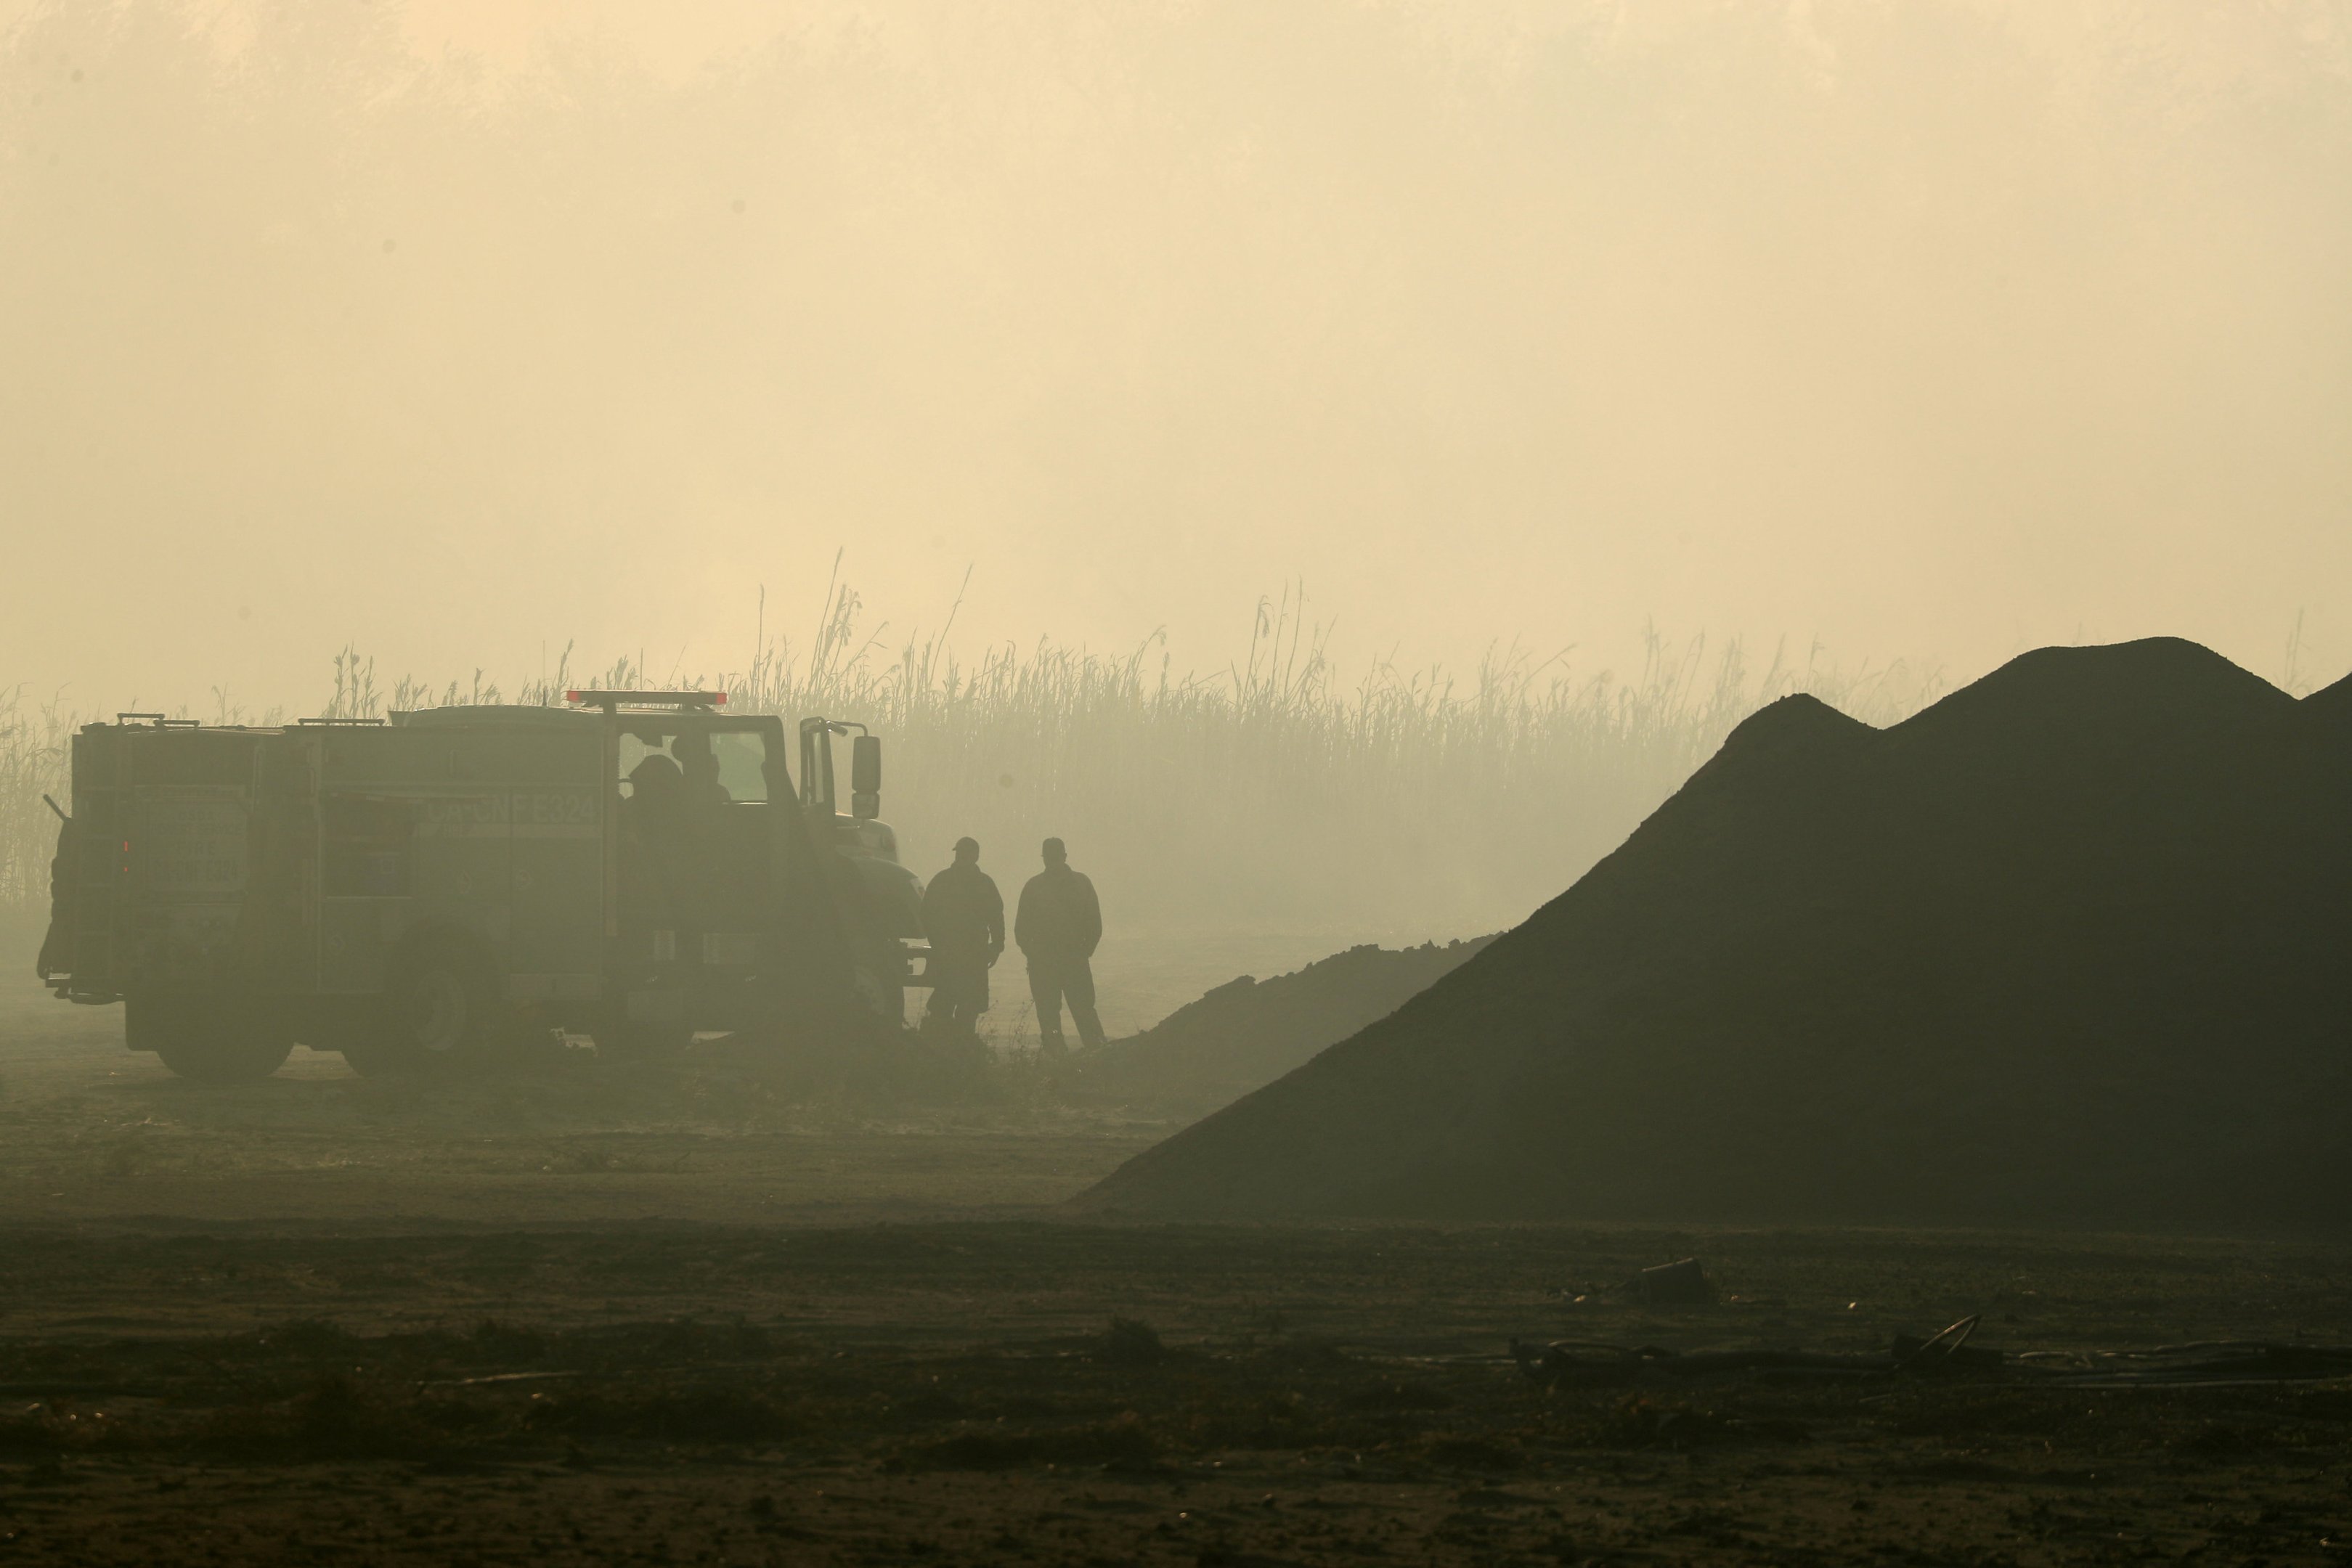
(88,1129)
(653,1316)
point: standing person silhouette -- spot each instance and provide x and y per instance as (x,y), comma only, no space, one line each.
(1058,925)
(963,916)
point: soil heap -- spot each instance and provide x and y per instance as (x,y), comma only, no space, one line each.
(1248,1032)
(2069,946)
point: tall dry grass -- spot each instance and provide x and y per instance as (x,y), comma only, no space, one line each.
(1274,794)
(33,763)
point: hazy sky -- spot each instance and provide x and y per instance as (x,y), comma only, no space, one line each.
(461,329)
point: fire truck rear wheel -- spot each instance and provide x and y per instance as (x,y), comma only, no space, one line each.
(442,1014)
(210,1039)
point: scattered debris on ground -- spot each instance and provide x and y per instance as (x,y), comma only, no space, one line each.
(1682,1283)
(1947,1352)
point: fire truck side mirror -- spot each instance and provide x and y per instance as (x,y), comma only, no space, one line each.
(866,776)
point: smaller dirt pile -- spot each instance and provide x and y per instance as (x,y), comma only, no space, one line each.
(1248,1032)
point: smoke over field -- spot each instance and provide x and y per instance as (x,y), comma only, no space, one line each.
(455,331)
(449,333)
(1289,450)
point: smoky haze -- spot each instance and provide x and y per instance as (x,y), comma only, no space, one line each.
(460,334)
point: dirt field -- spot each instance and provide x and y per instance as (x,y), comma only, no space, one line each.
(651,1316)
(89,1130)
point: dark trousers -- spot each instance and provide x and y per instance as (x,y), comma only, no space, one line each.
(1052,981)
(958,987)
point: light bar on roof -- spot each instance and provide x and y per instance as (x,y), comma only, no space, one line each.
(609,701)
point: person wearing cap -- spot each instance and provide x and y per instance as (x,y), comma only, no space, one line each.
(963,916)
(698,763)
(1058,925)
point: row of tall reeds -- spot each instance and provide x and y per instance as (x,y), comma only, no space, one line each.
(1271,795)
(33,764)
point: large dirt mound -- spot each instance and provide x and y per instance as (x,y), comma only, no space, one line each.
(2335,702)
(1248,1032)
(2071,946)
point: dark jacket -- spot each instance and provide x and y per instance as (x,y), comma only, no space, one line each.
(1059,918)
(963,913)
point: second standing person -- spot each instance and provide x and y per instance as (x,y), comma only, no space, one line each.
(1057,927)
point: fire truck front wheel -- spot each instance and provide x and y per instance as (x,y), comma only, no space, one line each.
(441,1014)
(210,1039)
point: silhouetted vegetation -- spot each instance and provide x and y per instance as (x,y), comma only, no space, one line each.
(1274,790)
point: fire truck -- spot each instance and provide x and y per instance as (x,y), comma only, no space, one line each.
(439,890)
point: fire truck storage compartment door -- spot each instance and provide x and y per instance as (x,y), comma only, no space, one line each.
(417,829)
(557,806)
(165,855)
(189,863)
